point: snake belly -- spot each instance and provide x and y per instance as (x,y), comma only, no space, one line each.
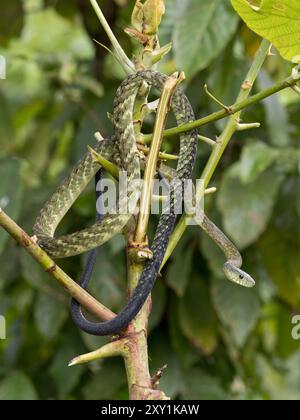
(97,234)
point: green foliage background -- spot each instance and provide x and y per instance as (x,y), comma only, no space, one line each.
(219,341)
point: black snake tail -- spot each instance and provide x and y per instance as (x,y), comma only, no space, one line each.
(90,264)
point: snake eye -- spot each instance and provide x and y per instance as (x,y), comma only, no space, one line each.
(241,276)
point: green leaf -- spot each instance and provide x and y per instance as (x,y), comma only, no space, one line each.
(237,307)
(187,353)
(178,273)
(277,21)
(201,386)
(11,192)
(247,208)
(277,115)
(161,353)
(107,382)
(49,314)
(106,282)
(197,318)
(279,386)
(65,378)
(17,386)
(275,327)
(68,39)
(280,245)
(159,298)
(6,126)
(197,41)
(256,158)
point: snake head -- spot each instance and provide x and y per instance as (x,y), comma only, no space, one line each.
(238,276)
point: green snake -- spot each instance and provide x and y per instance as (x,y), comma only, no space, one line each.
(121,149)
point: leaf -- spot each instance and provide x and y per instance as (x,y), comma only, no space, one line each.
(278,385)
(247,208)
(65,378)
(280,245)
(277,21)
(11,192)
(68,39)
(187,353)
(275,333)
(201,386)
(256,158)
(161,353)
(197,318)
(49,315)
(197,41)
(106,383)
(159,296)
(237,307)
(17,386)
(106,282)
(178,273)
(6,126)
(277,115)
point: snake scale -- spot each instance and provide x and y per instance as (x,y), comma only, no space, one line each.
(121,149)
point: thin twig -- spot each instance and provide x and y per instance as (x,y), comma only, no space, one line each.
(124,60)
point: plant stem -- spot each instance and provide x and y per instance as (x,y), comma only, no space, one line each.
(83,297)
(240,105)
(226,136)
(124,60)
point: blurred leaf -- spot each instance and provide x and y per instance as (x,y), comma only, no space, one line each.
(201,386)
(279,22)
(246,209)
(280,245)
(275,382)
(256,158)
(17,386)
(197,318)
(66,378)
(106,283)
(277,116)
(11,192)
(68,39)
(49,315)
(6,127)
(106,383)
(172,381)
(275,332)
(158,304)
(11,20)
(187,353)
(178,273)
(237,307)
(197,42)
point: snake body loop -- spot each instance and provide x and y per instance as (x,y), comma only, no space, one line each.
(121,148)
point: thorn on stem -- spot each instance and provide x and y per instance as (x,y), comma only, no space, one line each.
(228,109)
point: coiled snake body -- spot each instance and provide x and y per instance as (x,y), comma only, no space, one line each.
(121,145)
(121,148)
